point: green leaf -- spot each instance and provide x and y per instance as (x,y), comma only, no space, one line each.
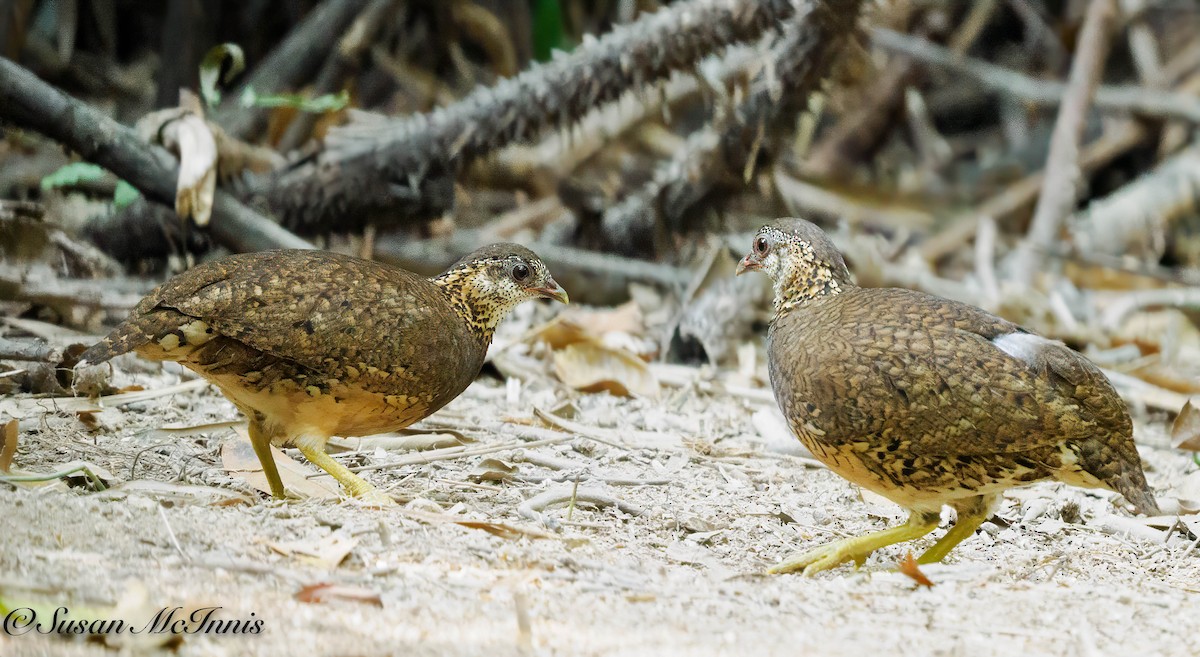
(72,174)
(548,29)
(125,194)
(210,70)
(326,103)
(77,172)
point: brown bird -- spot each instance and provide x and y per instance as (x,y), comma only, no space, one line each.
(929,402)
(313,344)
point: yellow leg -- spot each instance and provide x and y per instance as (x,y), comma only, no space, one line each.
(261,441)
(354,484)
(970,516)
(858,548)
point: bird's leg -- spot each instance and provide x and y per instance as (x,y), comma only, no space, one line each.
(858,548)
(314,451)
(971,514)
(261,440)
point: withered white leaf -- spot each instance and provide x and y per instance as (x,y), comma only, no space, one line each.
(197,168)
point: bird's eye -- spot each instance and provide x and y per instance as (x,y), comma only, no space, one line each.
(520,271)
(760,246)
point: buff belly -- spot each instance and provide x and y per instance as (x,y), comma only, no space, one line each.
(288,410)
(934,482)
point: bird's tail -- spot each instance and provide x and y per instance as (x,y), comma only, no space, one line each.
(132,333)
(1131,484)
(1112,461)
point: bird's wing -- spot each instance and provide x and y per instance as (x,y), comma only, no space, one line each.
(935,377)
(298,306)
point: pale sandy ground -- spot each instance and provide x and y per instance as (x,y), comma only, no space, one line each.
(730,497)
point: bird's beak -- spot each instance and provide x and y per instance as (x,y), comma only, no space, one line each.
(552,290)
(747,265)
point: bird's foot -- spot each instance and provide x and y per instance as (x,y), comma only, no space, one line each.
(373,497)
(858,548)
(822,558)
(354,484)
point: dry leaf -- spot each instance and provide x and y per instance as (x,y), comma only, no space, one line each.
(324,592)
(8,444)
(625,318)
(197,168)
(1188,493)
(593,367)
(88,418)
(492,470)
(238,458)
(325,553)
(1185,431)
(909,567)
(560,332)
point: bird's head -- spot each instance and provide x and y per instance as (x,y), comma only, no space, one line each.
(486,284)
(800,259)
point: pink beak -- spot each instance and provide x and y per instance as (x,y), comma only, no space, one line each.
(747,264)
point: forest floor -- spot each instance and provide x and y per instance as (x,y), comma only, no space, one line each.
(711,490)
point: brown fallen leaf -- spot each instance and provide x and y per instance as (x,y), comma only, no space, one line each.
(324,592)
(908,566)
(593,367)
(238,458)
(88,418)
(8,444)
(559,332)
(1185,431)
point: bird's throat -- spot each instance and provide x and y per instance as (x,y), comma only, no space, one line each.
(475,299)
(799,283)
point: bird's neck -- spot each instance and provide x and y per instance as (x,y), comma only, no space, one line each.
(800,283)
(473,298)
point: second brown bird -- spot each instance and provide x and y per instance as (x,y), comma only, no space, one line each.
(929,402)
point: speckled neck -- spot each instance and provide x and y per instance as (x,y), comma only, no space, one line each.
(803,278)
(477,298)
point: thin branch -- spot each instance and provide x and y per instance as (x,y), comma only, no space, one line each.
(289,66)
(1060,188)
(400,171)
(1126,99)
(30,103)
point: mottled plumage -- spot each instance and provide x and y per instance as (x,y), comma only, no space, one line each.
(313,344)
(927,401)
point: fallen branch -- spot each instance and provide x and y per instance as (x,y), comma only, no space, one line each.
(30,103)
(1135,218)
(812,42)
(403,171)
(589,276)
(1060,187)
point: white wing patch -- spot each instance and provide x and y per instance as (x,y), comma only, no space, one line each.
(1024,346)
